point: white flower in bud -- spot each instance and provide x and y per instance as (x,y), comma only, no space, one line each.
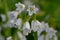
(9,38)
(35,25)
(32,9)
(21,36)
(18,23)
(20,7)
(3,17)
(12,15)
(26,28)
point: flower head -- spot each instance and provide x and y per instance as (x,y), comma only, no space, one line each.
(2,37)
(18,23)
(51,32)
(9,38)
(20,7)
(21,36)
(12,15)
(11,23)
(32,9)
(35,25)
(26,28)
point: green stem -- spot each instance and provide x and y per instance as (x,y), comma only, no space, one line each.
(35,36)
(34,17)
(5,8)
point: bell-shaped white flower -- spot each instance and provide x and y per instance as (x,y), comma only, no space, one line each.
(42,28)
(51,32)
(35,25)
(11,23)
(26,28)
(41,37)
(20,7)
(3,17)
(18,23)
(21,36)
(9,38)
(46,27)
(55,37)
(32,9)
(2,37)
(12,15)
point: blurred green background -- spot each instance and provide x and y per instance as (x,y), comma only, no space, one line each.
(49,11)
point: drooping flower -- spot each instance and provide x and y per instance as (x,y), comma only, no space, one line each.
(9,38)
(32,9)
(35,25)
(26,28)
(52,33)
(20,7)
(21,36)
(3,17)
(11,23)
(18,23)
(2,37)
(41,37)
(44,28)
(12,15)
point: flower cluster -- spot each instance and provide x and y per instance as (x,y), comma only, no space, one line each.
(24,28)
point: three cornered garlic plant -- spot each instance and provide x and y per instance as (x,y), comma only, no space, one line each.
(22,25)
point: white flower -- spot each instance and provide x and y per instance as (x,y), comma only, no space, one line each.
(51,32)
(46,27)
(21,36)
(20,7)
(41,37)
(18,23)
(3,17)
(27,2)
(12,15)
(11,23)
(26,28)
(35,25)
(55,37)
(9,38)
(2,37)
(32,9)
(42,28)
